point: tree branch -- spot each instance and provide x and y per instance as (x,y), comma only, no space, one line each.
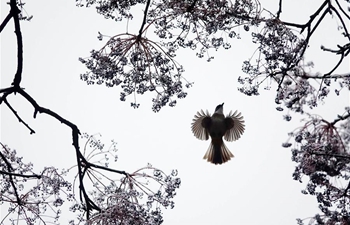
(341,9)
(312,17)
(14,12)
(20,175)
(18,117)
(6,20)
(340,118)
(106,168)
(334,76)
(144,18)
(279,9)
(342,21)
(40,109)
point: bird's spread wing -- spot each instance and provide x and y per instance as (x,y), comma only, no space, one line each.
(234,125)
(200,124)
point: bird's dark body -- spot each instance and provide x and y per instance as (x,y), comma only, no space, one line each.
(216,128)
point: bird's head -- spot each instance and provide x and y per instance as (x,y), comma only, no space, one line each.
(219,109)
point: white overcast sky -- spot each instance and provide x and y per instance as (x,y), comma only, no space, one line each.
(255,187)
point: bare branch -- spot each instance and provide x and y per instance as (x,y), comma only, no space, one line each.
(14,12)
(6,20)
(340,118)
(20,175)
(144,18)
(279,9)
(312,17)
(18,117)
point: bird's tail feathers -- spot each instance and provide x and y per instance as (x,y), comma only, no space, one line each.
(218,153)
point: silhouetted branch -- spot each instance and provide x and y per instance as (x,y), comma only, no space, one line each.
(20,175)
(6,92)
(279,9)
(341,20)
(83,164)
(6,20)
(14,12)
(308,24)
(106,168)
(333,76)
(342,10)
(90,205)
(38,108)
(144,18)
(340,118)
(18,117)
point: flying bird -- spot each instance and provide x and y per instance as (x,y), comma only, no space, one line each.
(217,126)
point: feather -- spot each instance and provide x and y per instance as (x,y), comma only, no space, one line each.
(217,152)
(235,126)
(200,122)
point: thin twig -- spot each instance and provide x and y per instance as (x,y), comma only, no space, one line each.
(279,9)
(6,20)
(20,175)
(18,117)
